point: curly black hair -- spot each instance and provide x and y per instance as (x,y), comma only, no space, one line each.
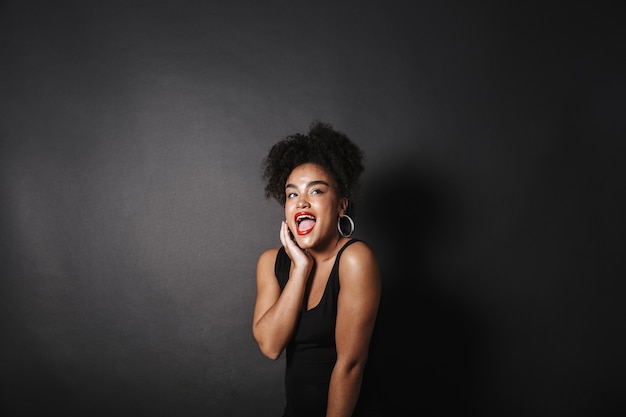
(322,145)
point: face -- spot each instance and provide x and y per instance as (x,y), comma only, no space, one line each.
(312,205)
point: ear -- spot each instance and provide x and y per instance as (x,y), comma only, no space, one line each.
(343,206)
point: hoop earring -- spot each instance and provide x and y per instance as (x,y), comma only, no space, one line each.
(341,232)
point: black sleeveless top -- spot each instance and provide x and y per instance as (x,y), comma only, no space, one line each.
(311,353)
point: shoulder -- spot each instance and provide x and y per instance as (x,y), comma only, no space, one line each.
(357,250)
(268,257)
(359,258)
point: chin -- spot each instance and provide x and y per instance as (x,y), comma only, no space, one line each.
(304,241)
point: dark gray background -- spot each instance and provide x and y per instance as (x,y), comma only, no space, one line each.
(132,212)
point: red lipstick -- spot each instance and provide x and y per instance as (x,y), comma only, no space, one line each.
(305,222)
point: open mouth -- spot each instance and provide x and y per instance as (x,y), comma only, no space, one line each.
(305,222)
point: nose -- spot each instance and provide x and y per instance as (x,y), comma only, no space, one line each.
(302,201)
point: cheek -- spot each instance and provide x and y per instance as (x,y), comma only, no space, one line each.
(289,212)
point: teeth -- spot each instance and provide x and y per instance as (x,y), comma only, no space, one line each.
(304,217)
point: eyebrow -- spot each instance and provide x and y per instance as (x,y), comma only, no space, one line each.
(310,184)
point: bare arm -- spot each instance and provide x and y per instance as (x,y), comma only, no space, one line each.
(358,303)
(276,312)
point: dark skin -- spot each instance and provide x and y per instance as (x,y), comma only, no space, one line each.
(311,190)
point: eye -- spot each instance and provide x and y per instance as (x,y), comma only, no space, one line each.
(291,195)
(316,191)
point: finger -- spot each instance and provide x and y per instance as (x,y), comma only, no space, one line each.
(286,236)
(282,233)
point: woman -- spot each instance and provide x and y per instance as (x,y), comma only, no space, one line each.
(318,294)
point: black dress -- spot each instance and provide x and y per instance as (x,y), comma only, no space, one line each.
(311,353)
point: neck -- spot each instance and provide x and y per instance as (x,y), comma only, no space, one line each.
(329,249)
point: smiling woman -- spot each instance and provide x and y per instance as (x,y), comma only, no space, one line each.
(318,294)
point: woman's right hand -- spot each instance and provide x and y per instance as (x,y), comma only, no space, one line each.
(299,256)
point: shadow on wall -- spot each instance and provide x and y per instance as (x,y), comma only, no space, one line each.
(427,346)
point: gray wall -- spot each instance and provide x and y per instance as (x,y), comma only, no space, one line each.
(132,212)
